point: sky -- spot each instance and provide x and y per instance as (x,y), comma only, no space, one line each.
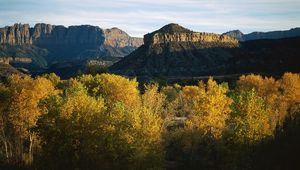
(138,17)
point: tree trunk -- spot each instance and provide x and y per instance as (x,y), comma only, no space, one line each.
(30,154)
(6,151)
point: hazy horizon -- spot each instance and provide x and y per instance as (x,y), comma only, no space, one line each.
(139,17)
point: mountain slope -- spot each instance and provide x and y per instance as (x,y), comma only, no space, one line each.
(294,32)
(190,54)
(176,51)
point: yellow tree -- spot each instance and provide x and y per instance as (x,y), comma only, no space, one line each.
(278,95)
(290,86)
(100,121)
(208,107)
(249,120)
(23,111)
(112,88)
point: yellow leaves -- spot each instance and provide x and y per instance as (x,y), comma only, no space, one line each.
(113,88)
(278,95)
(153,100)
(26,94)
(249,122)
(80,105)
(208,107)
(290,85)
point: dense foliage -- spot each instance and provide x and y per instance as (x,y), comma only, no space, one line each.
(106,122)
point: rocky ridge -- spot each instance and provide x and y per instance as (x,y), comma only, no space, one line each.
(43,34)
(294,32)
(176,33)
(176,52)
(49,44)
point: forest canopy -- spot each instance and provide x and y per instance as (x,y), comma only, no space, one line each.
(106,121)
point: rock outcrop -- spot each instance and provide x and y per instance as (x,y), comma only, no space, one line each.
(174,51)
(115,37)
(235,34)
(46,34)
(176,33)
(15,35)
(65,43)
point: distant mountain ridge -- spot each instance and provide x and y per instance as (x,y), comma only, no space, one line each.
(41,33)
(58,43)
(294,32)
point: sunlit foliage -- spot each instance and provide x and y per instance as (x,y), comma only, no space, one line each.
(109,122)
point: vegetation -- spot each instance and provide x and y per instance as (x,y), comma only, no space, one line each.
(104,121)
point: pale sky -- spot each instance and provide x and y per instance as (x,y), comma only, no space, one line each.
(138,17)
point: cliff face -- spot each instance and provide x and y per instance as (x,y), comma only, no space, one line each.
(46,34)
(176,33)
(16,35)
(65,43)
(117,38)
(174,51)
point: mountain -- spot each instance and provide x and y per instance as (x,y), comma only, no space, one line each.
(174,51)
(294,32)
(236,34)
(55,43)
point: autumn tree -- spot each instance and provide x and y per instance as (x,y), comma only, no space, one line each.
(249,120)
(20,112)
(207,107)
(90,125)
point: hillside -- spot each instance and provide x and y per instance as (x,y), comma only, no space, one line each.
(172,53)
(294,32)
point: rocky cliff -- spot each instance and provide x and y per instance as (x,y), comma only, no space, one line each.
(44,34)
(117,38)
(56,43)
(174,51)
(176,33)
(15,35)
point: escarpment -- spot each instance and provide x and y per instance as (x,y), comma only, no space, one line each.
(174,51)
(176,33)
(117,38)
(46,43)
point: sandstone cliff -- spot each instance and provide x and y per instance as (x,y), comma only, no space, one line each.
(176,33)
(46,34)
(56,43)
(174,51)
(117,38)
(16,35)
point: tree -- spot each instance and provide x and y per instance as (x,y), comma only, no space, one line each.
(208,107)
(199,143)
(20,113)
(112,88)
(89,126)
(249,122)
